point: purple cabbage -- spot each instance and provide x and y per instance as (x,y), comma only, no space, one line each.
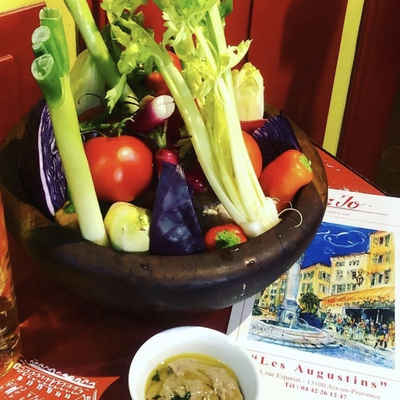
(274,137)
(174,228)
(39,164)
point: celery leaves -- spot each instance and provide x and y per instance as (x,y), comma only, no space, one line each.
(204,94)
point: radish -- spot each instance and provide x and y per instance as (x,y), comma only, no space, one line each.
(165,155)
(154,113)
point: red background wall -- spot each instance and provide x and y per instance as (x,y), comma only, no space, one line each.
(373,90)
(295,45)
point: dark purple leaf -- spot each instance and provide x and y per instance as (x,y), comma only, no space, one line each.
(39,163)
(174,228)
(274,137)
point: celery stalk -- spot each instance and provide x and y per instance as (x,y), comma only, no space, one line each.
(204,94)
(51,71)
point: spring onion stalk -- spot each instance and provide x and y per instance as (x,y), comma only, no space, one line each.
(119,89)
(204,94)
(51,71)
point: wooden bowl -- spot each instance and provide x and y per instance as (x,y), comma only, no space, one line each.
(139,283)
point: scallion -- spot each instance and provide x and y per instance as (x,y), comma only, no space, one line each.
(51,71)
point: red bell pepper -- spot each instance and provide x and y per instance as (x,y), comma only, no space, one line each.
(222,236)
(282,178)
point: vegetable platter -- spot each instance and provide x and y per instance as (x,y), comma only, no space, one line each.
(194,216)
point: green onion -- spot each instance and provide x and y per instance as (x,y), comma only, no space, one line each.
(51,71)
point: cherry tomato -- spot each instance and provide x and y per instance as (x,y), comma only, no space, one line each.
(121,167)
(223,236)
(254,152)
(155,82)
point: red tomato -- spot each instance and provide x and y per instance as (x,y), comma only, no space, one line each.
(223,236)
(155,82)
(121,167)
(254,152)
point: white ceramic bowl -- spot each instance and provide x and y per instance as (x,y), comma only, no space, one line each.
(192,339)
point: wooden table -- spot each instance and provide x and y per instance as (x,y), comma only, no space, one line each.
(79,338)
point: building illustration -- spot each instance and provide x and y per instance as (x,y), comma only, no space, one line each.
(350,296)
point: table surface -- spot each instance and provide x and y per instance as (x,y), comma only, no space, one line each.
(79,338)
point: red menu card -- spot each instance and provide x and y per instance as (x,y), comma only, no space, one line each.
(31,380)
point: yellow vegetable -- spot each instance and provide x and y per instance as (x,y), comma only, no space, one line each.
(127,227)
